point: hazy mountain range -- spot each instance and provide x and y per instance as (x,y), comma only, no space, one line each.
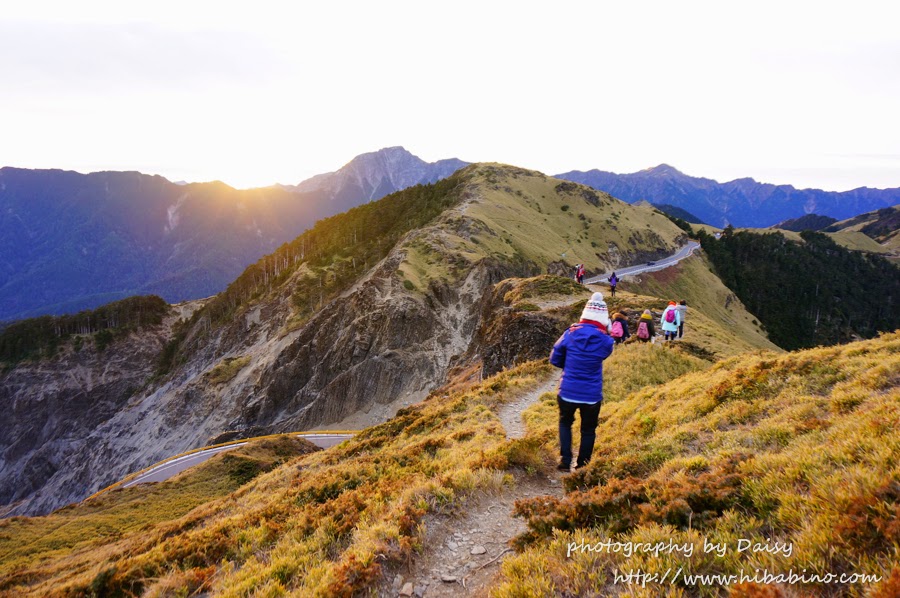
(70,241)
(741,202)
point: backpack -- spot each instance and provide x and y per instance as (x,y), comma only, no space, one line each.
(670,316)
(643,330)
(616,331)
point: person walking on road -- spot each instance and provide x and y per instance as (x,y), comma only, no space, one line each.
(682,312)
(579,273)
(580,352)
(613,281)
(670,320)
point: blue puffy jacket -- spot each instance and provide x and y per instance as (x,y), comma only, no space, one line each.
(580,352)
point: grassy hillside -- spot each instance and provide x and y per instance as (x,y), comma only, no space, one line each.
(792,447)
(854,240)
(798,449)
(325,524)
(716,319)
(720,436)
(75,538)
(518,216)
(881,226)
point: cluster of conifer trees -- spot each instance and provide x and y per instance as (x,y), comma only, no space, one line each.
(807,294)
(38,337)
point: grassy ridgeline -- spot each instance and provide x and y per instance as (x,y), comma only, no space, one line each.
(798,448)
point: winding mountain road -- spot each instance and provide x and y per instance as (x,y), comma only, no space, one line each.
(652,266)
(168,468)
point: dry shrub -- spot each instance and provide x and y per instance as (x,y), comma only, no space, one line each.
(621,504)
(872,521)
(890,587)
(755,590)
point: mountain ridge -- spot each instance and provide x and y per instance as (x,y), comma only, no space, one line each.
(741,202)
(326,327)
(180,241)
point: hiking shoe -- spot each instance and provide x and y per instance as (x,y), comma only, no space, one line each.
(564,467)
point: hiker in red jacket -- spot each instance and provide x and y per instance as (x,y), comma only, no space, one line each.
(580,352)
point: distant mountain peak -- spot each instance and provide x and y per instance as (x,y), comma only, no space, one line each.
(664,169)
(373,175)
(393,152)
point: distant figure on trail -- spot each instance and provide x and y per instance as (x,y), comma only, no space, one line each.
(613,281)
(645,329)
(670,320)
(618,329)
(580,352)
(682,311)
(579,273)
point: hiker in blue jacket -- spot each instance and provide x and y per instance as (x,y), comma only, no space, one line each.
(580,352)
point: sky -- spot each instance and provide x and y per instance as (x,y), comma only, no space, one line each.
(257,93)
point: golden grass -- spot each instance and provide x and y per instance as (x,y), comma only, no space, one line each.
(517,216)
(71,538)
(526,213)
(544,287)
(796,448)
(324,524)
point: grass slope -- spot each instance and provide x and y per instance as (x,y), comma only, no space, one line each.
(716,319)
(797,448)
(326,524)
(76,538)
(788,447)
(850,238)
(518,216)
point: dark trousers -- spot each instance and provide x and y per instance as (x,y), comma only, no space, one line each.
(680,330)
(589,416)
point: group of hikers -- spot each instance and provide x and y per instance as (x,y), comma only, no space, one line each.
(580,352)
(671,321)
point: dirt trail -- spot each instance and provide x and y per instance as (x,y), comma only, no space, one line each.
(464,550)
(511,413)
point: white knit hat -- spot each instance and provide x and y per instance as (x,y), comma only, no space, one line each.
(595,310)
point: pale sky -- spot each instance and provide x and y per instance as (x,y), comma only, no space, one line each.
(256,93)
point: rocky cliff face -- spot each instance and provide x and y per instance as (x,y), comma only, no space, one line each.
(53,408)
(392,336)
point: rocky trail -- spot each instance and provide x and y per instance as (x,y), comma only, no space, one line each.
(464,549)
